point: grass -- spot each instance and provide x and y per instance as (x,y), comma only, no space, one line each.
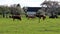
(31,26)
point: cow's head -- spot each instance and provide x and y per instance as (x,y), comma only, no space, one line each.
(10,16)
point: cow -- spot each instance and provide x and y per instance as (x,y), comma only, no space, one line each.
(54,16)
(41,16)
(30,16)
(15,17)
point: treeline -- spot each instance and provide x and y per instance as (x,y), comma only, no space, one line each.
(16,9)
(12,10)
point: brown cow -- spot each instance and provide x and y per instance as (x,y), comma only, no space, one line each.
(30,16)
(15,17)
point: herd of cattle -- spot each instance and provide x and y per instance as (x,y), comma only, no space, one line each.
(39,16)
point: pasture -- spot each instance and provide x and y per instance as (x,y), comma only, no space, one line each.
(31,26)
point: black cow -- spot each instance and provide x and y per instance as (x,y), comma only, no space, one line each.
(41,16)
(54,16)
(15,17)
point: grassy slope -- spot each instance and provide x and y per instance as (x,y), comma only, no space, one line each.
(31,26)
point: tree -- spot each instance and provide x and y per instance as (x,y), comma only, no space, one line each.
(4,10)
(51,7)
(15,9)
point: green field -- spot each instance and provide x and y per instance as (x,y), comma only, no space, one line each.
(31,26)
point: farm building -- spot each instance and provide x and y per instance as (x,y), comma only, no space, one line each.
(31,11)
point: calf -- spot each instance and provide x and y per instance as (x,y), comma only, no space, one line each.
(15,17)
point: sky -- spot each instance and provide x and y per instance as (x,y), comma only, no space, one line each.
(29,3)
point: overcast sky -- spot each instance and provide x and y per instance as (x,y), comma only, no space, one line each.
(31,3)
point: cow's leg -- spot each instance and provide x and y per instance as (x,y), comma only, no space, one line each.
(13,19)
(20,18)
(56,16)
(44,17)
(39,18)
(28,18)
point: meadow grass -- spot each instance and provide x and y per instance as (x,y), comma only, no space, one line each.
(31,26)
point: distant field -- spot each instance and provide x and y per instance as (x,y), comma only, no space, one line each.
(31,26)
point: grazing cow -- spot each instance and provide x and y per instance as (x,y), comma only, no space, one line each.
(55,16)
(15,17)
(41,16)
(30,16)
